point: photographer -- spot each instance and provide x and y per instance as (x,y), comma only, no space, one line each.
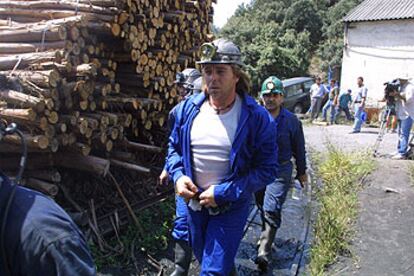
(405,112)
(389,115)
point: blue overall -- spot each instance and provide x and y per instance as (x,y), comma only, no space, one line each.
(253,163)
(180,230)
(40,238)
(291,143)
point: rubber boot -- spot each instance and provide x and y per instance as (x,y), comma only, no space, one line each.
(183,255)
(264,251)
(233,272)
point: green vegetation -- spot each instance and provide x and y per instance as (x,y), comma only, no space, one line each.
(156,222)
(341,174)
(282,37)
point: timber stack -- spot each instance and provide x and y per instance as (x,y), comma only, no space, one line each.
(90,83)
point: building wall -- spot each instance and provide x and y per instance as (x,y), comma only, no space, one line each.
(379,51)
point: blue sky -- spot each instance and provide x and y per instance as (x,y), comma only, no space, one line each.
(224,9)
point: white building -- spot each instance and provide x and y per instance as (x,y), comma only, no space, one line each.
(379,44)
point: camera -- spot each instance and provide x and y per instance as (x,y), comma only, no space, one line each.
(391,86)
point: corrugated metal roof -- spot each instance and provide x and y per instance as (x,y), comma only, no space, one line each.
(373,10)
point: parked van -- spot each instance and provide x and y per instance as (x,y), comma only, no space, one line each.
(297,97)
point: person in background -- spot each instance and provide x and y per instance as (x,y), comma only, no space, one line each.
(345,99)
(331,103)
(218,168)
(188,83)
(359,105)
(39,237)
(317,92)
(405,111)
(291,143)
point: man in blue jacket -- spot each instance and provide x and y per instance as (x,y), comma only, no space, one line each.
(291,142)
(222,149)
(188,83)
(39,238)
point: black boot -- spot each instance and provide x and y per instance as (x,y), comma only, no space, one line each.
(264,251)
(233,272)
(183,254)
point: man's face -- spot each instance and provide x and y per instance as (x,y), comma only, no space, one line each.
(220,80)
(181,90)
(318,81)
(359,81)
(272,101)
(332,84)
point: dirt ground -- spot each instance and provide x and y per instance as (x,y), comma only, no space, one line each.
(384,231)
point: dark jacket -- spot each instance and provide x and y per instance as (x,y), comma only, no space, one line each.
(40,237)
(290,141)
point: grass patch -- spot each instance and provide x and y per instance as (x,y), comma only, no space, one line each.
(156,222)
(341,174)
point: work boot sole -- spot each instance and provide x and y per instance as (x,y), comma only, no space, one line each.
(262,264)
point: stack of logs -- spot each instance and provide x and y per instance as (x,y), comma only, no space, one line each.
(90,82)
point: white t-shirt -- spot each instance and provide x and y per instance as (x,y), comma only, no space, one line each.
(408,104)
(317,91)
(212,136)
(361,92)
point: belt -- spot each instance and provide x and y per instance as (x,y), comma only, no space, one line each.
(358,101)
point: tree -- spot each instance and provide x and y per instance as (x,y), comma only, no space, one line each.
(303,16)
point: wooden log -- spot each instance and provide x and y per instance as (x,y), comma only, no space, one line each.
(45,79)
(18,48)
(51,175)
(34,162)
(41,186)
(92,164)
(40,33)
(141,147)
(25,15)
(32,141)
(24,114)
(23,100)
(23,60)
(129,166)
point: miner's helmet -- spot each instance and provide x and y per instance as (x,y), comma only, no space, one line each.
(220,51)
(197,85)
(187,77)
(272,85)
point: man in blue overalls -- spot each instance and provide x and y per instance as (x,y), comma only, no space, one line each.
(222,149)
(290,142)
(188,83)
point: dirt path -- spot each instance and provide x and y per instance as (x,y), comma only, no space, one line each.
(384,239)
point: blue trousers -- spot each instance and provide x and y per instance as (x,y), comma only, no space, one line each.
(271,199)
(331,107)
(215,239)
(358,117)
(338,110)
(180,231)
(404,135)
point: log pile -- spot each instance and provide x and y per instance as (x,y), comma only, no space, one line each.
(90,82)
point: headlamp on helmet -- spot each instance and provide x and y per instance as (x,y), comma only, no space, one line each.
(272,85)
(220,51)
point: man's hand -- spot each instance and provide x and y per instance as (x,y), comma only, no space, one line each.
(185,187)
(303,179)
(163,178)
(207,197)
